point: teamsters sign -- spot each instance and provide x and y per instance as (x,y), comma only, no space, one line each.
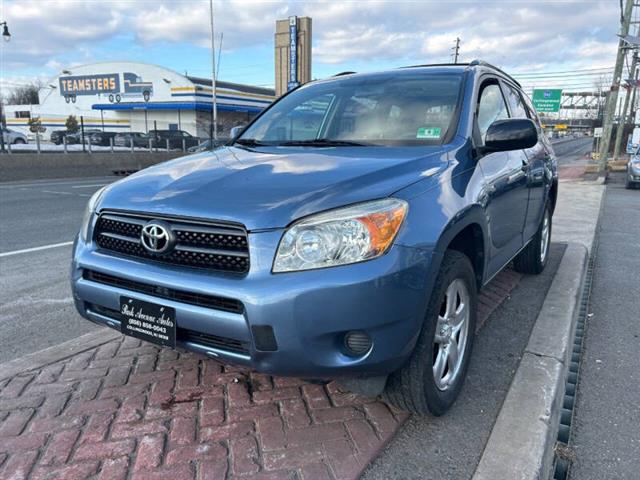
(90,84)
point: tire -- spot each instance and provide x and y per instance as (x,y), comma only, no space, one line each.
(146,95)
(535,255)
(111,98)
(19,141)
(118,98)
(415,387)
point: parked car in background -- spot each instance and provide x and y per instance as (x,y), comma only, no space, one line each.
(344,234)
(125,139)
(208,145)
(633,170)
(12,137)
(57,136)
(175,137)
(75,138)
(102,138)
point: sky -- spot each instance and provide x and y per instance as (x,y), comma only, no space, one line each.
(533,39)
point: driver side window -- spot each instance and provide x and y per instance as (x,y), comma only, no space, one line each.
(491,107)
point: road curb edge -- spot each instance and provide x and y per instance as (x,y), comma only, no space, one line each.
(521,443)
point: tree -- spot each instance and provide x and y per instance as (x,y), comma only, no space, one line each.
(35,125)
(72,124)
(24,94)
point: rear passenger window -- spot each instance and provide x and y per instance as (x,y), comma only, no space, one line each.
(490,108)
(516,107)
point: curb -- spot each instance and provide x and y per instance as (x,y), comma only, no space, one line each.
(53,354)
(521,444)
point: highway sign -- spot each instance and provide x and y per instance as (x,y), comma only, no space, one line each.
(597,132)
(547,100)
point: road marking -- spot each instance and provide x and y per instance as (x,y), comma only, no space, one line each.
(57,192)
(75,181)
(89,186)
(35,249)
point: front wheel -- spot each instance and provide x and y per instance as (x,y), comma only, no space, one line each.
(19,141)
(535,255)
(430,381)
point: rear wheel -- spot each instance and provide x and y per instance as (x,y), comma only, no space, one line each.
(432,378)
(535,255)
(19,141)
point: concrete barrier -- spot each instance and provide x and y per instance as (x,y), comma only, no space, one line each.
(33,166)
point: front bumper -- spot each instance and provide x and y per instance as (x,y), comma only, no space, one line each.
(633,174)
(308,311)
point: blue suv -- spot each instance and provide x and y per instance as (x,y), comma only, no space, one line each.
(344,234)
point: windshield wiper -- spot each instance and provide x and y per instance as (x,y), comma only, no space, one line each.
(249,142)
(322,142)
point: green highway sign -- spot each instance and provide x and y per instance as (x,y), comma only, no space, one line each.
(547,100)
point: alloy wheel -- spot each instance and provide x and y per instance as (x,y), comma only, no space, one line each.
(452,331)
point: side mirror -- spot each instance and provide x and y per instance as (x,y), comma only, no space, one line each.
(511,134)
(235,131)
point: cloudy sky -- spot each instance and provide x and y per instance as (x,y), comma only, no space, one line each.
(533,37)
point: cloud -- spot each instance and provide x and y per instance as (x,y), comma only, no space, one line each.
(516,34)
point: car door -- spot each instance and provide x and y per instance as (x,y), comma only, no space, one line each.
(506,194)
(540,174)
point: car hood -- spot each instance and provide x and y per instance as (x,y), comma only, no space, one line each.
(272,186)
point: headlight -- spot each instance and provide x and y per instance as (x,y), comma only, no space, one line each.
(338,237)
(88,214)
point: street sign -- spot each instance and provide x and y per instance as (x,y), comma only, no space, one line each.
(561,126)
(597,132)
(547,100)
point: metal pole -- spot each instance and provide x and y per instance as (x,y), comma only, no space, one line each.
(612,101)
(38,141)
(622,123)
(214,109)
(2,122)
(64,143)
(111,144)
(82,131)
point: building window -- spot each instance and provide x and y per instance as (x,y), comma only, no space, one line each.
(23,114)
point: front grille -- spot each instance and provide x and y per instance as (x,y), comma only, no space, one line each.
(200,245)
(184,334)
(207,301)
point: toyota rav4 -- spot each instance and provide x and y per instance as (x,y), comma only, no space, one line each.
(343,234)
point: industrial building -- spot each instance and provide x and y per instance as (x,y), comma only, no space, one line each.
(134,96)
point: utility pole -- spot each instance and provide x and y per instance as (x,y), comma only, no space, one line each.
(623,116)
(214,106)
(615,86)
(456,50)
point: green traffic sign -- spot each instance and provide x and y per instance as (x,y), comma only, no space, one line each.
(547,100)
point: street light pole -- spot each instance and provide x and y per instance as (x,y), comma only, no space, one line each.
(612,101)
(7,37)
(623,116)
(214,106)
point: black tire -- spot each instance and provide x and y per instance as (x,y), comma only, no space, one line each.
(146,95)
(19,141)
(118,98)
(413,387)
(531,260)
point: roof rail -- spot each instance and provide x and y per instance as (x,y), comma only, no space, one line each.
(482,63)
(343,73)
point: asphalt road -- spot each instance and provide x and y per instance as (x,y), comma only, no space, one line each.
(36,309)
(606,432)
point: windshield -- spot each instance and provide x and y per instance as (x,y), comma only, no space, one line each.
(387,109)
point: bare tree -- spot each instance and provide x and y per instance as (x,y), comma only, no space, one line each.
(24,94)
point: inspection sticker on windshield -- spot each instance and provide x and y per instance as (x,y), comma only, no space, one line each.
(426,132)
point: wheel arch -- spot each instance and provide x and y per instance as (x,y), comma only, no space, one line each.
(467,234)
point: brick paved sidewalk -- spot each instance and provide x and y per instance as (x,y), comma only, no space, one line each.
(128,409)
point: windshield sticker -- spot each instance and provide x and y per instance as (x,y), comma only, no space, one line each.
(429,132)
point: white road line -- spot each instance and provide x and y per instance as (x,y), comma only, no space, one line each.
(35,249)
(76,181)
(58,193)
(89,186)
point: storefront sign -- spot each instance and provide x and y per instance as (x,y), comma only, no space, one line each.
(89,84)
(293,53)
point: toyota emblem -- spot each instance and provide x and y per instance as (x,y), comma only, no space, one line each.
(156,237)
